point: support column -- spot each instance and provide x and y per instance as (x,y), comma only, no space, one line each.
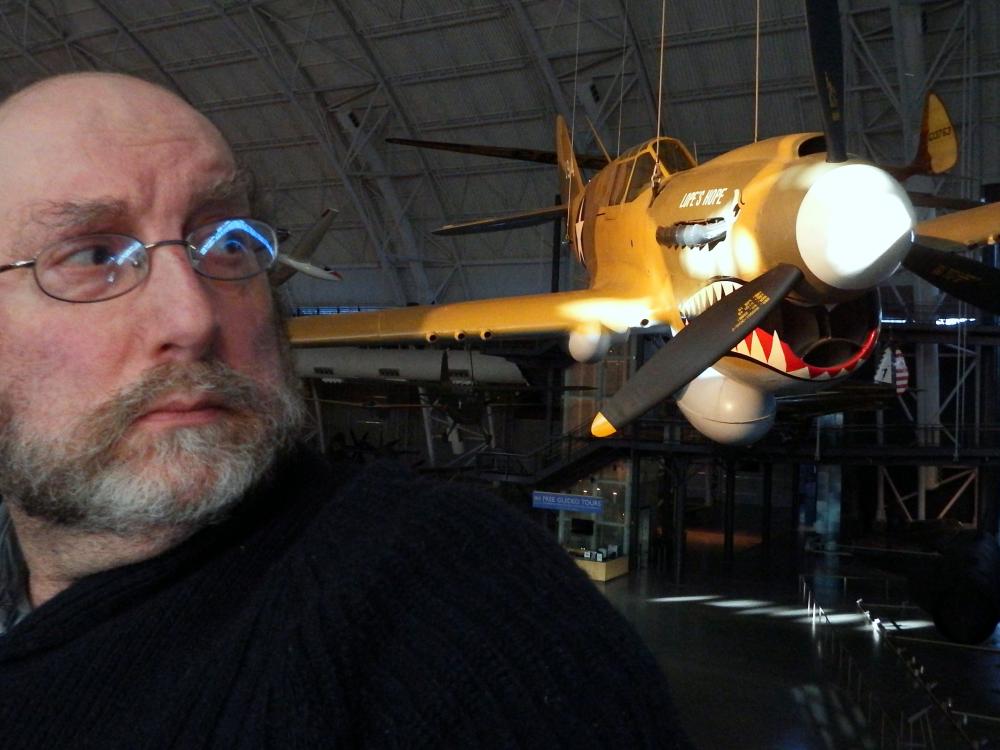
(729,513)
(765,507)
(796,498)
(680,501)
(632,547)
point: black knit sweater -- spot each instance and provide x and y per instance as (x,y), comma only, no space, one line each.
(380,610)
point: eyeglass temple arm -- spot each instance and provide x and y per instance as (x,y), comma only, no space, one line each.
(17,264)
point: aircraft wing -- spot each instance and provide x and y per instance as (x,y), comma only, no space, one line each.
(976,226)
(297,261)
(587,311)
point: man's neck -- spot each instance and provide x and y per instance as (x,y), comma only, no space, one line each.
(56,556)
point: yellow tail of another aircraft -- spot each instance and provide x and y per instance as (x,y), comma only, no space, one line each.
(938,150)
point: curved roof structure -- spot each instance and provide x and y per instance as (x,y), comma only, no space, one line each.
(307,92)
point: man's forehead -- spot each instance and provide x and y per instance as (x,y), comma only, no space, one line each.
(232,190)
(80,97)
(95,117)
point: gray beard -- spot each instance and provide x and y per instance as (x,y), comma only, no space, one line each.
(96,477)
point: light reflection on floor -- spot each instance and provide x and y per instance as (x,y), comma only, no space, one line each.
(746,663)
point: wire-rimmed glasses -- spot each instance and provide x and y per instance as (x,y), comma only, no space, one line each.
(97,267)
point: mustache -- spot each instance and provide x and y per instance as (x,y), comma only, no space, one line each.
(228,389)
(96,475)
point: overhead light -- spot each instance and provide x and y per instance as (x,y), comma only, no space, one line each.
(953,321)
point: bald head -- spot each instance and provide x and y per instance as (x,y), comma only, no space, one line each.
(104,140)
(93,99)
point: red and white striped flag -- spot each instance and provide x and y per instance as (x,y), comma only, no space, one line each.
(901,372)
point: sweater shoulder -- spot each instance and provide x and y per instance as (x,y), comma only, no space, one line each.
(459,606)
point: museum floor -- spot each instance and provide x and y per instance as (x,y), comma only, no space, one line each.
(751,665)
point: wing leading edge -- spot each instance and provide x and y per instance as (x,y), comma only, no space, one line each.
(582,311)
(975,226)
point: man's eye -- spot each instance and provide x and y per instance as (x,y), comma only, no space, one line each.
(234,244)
(90,254)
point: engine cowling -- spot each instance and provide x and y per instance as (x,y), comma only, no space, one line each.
(727,410)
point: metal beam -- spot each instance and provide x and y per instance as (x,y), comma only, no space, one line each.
(313,122)
(530,36)
(400,112)
(648,92)
(109,8)
(402,222)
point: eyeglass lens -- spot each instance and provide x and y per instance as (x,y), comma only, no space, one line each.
(98,267)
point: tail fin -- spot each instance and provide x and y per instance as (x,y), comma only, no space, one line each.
(938,149)
(570,180)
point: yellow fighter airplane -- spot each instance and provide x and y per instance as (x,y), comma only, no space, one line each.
(764,262)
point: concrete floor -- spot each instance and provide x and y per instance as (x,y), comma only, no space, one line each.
(751,667)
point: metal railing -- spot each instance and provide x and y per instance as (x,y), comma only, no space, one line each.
(933,722)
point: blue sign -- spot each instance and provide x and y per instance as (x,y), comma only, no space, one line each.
(559,501)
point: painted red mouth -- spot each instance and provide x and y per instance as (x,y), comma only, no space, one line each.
(767,347)
(769,350)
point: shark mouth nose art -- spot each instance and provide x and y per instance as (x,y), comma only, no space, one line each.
(819,354)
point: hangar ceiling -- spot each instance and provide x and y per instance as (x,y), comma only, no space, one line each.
(308,90)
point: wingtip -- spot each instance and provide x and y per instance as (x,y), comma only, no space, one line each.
(601,427)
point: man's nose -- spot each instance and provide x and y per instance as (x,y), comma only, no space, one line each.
(182,322)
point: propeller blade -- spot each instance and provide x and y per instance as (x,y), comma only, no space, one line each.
(935,260)
(592,161)
(826,46)
(696,347)
(503,223)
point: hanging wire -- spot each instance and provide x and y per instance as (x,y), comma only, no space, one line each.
(572,126)
(621,88)
(756,76)
(576,70)
(659,95)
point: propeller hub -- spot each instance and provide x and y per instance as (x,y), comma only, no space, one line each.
(854,226)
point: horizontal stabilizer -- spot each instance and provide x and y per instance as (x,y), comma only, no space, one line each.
(592,161)
(508,221)
(929,200)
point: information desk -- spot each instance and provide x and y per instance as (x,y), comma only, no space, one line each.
(603,571)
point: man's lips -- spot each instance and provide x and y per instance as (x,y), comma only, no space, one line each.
(182,412)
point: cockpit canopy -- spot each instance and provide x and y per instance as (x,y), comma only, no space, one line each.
(634,168)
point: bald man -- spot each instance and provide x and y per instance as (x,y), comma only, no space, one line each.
(177,570)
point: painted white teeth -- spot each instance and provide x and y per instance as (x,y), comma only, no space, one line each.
(707,296)
(777,357)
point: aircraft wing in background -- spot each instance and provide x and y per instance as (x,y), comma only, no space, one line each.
(297,260)
(974,226)
(591,318)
